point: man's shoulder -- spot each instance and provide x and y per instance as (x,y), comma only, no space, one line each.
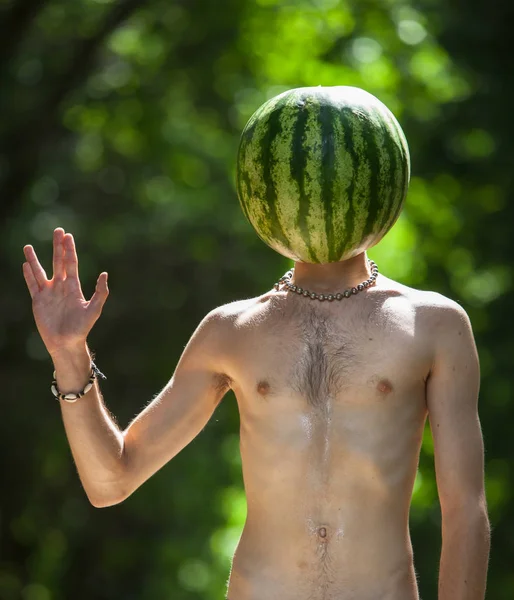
(228,315)
(432,307)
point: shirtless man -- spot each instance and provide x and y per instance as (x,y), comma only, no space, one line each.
(333,398)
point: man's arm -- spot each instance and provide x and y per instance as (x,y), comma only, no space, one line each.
(111,463)
(452,401)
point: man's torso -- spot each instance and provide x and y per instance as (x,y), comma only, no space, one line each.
(332,409)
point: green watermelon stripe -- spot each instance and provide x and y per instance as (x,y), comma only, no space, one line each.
(402,188)
(298,164)
(258,208)
(286,188)
(312,143)
(274,129)
(350,214)
(383,164)
(360,200)
(328,176)
(374,191)
(386,177)
(397,174)
(395,166)
(246,148)
(397,145)
(344,174)
(245,179)
(390,198)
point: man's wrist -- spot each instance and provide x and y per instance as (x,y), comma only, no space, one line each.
(70,351)
(72,367)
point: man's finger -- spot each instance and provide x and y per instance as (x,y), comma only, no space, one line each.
(37,269)
(71,263)
(100,296)
(58,260)
(30,280)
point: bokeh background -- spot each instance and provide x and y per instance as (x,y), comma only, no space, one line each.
(120,122)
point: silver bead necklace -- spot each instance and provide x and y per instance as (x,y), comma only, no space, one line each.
(286,280)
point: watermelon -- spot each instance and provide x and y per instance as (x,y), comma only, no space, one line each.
(322,172)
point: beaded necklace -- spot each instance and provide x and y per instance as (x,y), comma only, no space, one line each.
(286,280)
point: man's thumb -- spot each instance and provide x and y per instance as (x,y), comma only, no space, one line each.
(101,292)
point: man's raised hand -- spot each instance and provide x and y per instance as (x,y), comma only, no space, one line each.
(63,316)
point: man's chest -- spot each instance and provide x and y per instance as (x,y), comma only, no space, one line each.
(363,356)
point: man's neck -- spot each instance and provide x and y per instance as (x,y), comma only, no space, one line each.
(332,277)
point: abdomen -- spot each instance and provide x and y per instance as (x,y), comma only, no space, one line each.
(321,560)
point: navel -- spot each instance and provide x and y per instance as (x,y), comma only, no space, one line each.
(385,386)
(263,388)
(322,532)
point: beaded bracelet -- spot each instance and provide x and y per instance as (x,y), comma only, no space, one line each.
(72,397)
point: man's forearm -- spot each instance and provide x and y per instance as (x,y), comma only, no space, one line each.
(96,441)
(464,556)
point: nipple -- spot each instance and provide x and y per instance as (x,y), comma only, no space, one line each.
(263,388)
(385,386)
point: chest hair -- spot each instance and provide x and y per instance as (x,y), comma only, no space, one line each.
(327,355)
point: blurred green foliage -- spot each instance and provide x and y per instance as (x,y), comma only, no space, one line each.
(120,122)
